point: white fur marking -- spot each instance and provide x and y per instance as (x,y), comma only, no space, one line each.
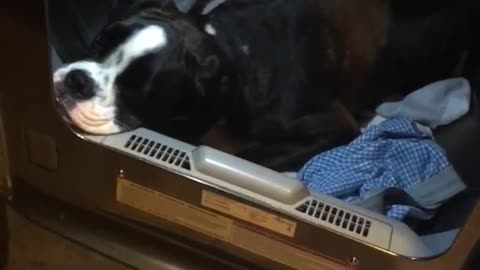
(245,49)
(210,30)
(144,41)
(97,115)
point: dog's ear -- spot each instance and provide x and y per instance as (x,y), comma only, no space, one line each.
(202,68)
(113,33)
(201,59)
(209,67)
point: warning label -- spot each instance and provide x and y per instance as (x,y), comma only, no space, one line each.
(173,210)
(249,214)
(226,229)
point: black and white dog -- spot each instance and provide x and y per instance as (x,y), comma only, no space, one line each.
(286,75)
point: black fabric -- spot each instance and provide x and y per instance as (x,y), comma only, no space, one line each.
(472,63)
(74,24)
(461,142)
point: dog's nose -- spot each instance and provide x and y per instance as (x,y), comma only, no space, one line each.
(79,84)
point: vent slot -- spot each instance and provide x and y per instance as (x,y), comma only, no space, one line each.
(158,151)
(340,218)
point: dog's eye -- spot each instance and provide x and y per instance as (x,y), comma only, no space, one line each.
(95,47)
(108,39)
(98,46)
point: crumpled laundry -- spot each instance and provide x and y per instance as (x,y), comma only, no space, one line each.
(186,5)
(437,104)
(393,168)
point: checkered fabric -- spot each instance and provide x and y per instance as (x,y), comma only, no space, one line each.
(392,154)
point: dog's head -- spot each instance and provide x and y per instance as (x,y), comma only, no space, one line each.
(145,69)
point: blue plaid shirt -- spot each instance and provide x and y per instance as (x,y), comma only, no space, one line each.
(393,154)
